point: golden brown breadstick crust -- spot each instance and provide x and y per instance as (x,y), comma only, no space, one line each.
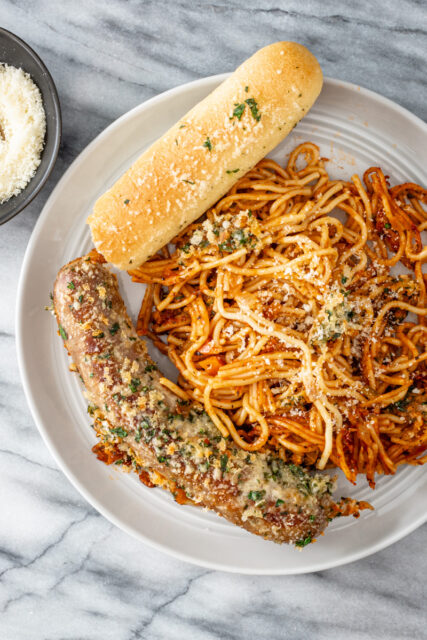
(200,158)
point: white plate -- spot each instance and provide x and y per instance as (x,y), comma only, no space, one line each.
(355,129)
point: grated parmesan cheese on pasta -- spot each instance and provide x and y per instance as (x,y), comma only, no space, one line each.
(22,130)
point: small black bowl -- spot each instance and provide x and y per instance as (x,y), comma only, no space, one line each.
(15,52)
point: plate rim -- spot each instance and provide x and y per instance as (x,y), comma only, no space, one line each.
(32,403)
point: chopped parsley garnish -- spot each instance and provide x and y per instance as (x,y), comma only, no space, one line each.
(126,201)
(71,285)
(188,181)
(149,435)
(80,298)
(134,384)
(256,496)
(150,367)
(101,334)
(232,170)
(114,328)
(312,518)
(119,431)
(279,502)
(238,110)
(208,144)
(239,235)
(224,462)
(62,332)
(303,542)
(224,246)
(138,434)
(254,109)
(246,88)
(186,247)
(304,480)
(237,239)
(343,279)
(387,225)
(400,405)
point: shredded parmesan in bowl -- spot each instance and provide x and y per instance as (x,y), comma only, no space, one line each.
(22,130)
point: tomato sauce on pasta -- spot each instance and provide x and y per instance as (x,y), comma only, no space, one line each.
(286,320)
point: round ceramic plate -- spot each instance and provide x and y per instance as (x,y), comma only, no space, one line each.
(355,129)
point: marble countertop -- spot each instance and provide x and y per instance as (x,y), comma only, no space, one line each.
(65,572)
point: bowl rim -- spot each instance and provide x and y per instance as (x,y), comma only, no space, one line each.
(57,119)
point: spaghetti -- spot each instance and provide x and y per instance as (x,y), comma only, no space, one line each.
(289,325)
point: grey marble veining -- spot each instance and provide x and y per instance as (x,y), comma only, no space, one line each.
(65,572)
